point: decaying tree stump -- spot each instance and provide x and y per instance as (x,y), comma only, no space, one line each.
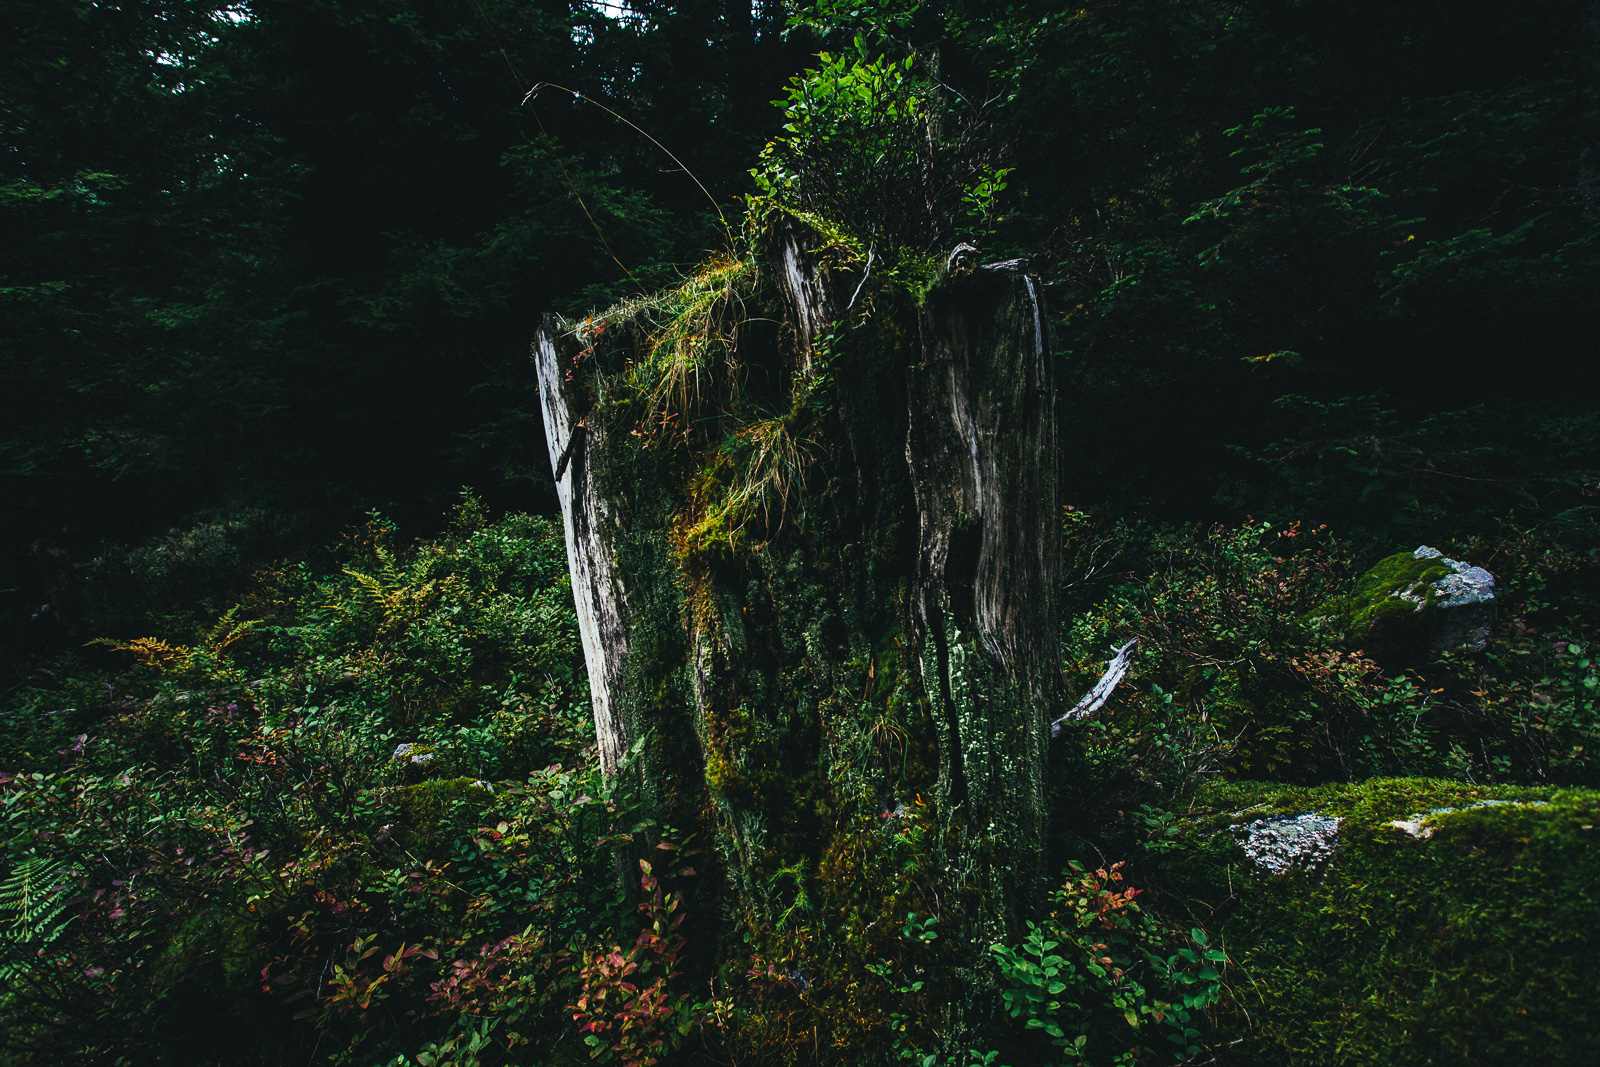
(813,524)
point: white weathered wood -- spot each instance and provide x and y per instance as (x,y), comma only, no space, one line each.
(806,288)
(597,591)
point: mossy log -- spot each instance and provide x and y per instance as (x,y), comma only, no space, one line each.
(813,520)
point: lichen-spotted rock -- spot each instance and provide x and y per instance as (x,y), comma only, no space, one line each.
(1466,603)
(1411,602)
(1472,941)
(1285,843)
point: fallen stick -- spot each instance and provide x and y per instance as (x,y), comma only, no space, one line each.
(1096,697)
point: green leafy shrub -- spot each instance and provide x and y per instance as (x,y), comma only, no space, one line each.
(221,856)
(1102,978)
(872,145)
(1242,673)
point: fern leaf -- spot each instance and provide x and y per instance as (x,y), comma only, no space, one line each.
(32,900)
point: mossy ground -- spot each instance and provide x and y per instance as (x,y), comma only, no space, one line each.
(1475,945)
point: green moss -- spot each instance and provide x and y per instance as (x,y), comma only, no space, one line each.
(1474,945)
(1390,614)
(422,808)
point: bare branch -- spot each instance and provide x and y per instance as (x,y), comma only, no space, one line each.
(1096,698)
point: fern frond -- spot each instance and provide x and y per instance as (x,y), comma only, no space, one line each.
(32,901)
(157,653)
(376,590)
(228,631)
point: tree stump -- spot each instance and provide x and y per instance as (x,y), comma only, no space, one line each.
(812,518)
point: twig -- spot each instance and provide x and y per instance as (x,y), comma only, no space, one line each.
(1095,698)
(865,274)
(727,231)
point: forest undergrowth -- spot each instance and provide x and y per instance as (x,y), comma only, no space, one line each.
(1319,282)
(354,814)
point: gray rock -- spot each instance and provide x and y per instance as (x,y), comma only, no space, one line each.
(1285,843)
(401,751)
(1466,603)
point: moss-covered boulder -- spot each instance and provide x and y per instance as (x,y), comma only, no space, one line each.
(1422,921)
(421,809)
(1411,602)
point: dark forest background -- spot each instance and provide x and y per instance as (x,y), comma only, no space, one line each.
(1334,261)
(291,255)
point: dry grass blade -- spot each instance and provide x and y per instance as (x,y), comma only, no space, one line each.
(771,466)
(691,355)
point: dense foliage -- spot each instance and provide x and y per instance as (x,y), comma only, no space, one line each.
(1322,279)
(1295,246)
(357,810)
(290,253)
(268,801)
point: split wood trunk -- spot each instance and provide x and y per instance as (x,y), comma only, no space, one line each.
(813,528)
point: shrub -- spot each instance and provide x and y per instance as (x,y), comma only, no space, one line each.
(1238,674)
(1111,974)
(221,858)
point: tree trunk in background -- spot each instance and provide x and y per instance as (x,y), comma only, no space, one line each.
(824,599)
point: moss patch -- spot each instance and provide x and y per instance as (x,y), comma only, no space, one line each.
(1393,611)
(1475,945)
(422,808)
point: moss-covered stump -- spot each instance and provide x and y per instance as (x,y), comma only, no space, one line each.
(1407,934)
(813,526)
